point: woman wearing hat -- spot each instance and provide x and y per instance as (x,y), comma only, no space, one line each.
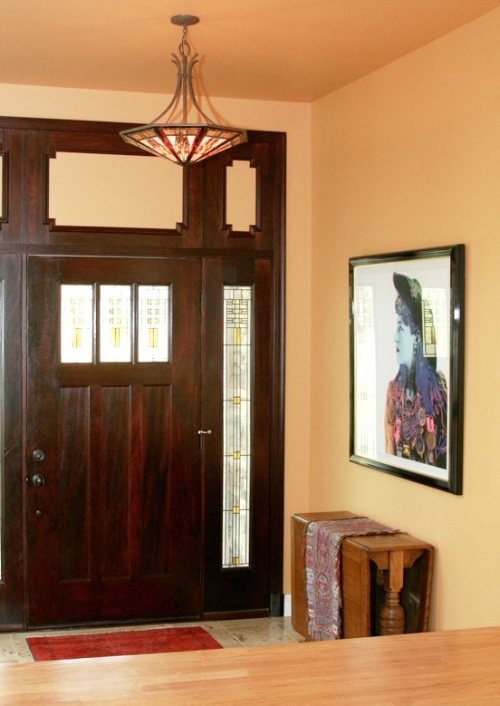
(417,399)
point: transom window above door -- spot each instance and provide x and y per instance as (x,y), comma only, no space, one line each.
(115,323)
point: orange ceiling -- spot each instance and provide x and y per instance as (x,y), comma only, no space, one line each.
(262,49)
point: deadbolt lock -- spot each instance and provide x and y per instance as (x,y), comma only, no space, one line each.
(38,480)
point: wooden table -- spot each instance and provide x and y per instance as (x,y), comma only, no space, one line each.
(405,563)
(419,669)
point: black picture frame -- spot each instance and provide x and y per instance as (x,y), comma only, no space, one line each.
(407,366)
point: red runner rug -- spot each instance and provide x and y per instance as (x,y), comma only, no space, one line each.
(129,642)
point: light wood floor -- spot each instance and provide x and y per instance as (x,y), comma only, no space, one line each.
(228,633)
(425,669)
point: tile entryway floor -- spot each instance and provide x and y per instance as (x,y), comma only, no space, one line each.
(228,633)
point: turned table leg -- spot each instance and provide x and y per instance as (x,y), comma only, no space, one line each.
(392,554)
(392,614)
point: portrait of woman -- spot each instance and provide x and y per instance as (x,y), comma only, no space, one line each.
(417,399)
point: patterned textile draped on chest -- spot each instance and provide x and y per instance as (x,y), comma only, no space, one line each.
(322,545)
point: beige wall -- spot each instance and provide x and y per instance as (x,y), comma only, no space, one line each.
(412,160)
(295,120)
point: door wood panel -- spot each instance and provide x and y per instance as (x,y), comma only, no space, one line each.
(114,533)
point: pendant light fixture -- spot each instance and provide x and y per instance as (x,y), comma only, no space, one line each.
(184,142)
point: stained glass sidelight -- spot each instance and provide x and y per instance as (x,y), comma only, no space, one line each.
(237,426)
(77,306)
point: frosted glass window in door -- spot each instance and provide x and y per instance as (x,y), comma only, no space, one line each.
(237,363)
(77,306)
(154,308)
(115,329)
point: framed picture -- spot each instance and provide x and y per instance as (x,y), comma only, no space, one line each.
(407,363)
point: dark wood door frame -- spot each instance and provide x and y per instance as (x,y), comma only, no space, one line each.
(27,146)
(12,586)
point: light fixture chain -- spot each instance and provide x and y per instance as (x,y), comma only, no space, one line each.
(184,46)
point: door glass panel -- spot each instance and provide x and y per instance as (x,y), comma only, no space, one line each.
(76,323)
(237,426)
(114,324)
(154,318)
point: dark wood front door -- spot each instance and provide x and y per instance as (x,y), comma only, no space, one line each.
(113,455)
